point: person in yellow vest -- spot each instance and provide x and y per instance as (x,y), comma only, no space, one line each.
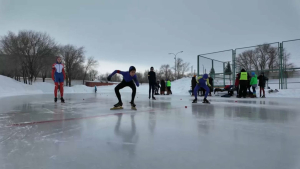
(243,83)
(168,87)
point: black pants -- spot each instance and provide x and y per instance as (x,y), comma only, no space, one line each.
(237,90)
(121,86)
(151,86)
(243,88)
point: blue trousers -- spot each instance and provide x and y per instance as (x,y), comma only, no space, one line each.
(198,86)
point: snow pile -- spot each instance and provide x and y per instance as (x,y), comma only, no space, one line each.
(11,87)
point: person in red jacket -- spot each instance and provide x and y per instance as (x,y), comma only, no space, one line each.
(237,84)
(58,76)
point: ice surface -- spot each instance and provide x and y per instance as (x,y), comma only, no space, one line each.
(230,133)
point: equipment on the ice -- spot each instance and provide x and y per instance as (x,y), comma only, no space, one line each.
(194,101)
(117,106)
(55,99)
(153,98)
(62,100)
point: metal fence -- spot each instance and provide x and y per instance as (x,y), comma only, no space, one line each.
(280,61)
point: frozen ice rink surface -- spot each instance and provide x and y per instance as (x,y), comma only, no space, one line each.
(36,133)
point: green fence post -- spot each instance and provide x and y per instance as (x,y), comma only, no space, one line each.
(197,65)
(233,65)
(224,73)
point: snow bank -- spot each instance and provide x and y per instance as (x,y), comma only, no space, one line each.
(10,87)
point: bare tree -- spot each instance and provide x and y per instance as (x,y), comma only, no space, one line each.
(30,48)
(93,73)
(73,57)
(91,62)
(166,71)
(261,58)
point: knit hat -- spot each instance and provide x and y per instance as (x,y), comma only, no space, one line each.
(205,76)
(131,68)
(253,73)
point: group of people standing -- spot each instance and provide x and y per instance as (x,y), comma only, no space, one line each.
(244,81)
(154,85)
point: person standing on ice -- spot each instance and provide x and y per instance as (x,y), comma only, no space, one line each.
(152,82)
(193,82)
(128,78)
(201,83)
(162,87)
(237,84)
(243,83)
(253,83)
(168,84)
(58,76)
(262,83)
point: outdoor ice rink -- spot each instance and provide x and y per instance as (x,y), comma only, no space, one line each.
(36,133)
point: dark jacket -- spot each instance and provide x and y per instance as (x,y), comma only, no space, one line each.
(152,77)
(194,82)
(211,81)
(163,85)
(262,80)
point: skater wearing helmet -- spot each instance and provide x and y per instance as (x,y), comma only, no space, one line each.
(58,76)
(128,78)
(201,83)
(253,83)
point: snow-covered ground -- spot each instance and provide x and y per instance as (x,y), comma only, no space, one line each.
(10,87)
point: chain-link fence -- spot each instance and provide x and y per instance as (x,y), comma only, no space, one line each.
(280,62)
(219,69)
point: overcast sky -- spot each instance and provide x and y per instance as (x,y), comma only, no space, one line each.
(121,33)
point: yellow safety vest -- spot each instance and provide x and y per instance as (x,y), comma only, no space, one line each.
(244,76)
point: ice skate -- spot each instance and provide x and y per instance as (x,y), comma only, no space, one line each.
(205,101)
(194,101)
(55,99)
(133,106)
(117,106)
(153,98)
(62,100)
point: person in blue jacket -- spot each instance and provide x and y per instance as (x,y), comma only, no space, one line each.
(128,78)
(201,83)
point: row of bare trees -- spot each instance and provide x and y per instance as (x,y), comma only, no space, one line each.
(165,72)
(261,58)
(30,54)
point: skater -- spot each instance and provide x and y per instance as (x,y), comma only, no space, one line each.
(162,87)
(152,82)
(202,83)
(169,87)
(194,82)
(95,89)
(262,82)
(243,83)
(128,78)
(253,83)
(237,84)
(58,76)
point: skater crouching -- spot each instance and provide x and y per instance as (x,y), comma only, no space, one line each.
(202,83)
(128,78)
